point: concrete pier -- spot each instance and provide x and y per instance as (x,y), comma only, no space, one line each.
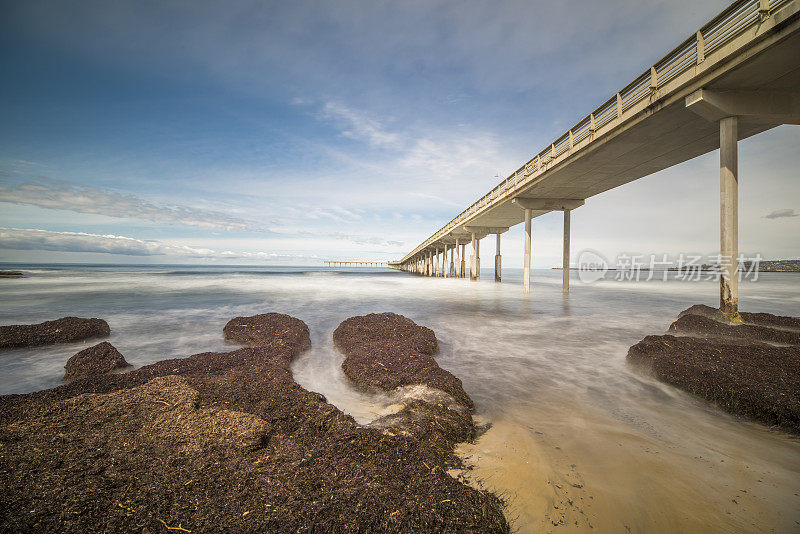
(698,98)
(462,269)
(452,269)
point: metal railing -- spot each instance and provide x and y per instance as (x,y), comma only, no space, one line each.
(722,29)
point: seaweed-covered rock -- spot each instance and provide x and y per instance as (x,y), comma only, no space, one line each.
(64,330)
(386,351)
(97,360)
(751,379)
(702,325)
(220,442)
(267,328)
(763,319)
(740,368)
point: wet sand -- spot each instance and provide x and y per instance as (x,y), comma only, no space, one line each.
(577,470)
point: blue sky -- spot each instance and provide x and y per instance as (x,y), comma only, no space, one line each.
(292,132)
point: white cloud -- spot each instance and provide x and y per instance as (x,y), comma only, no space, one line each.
(367,240)
(53,194)
(34,239)
(422,152)
(359,125)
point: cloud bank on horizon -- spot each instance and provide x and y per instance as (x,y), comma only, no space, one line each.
(77,242)
(293,132)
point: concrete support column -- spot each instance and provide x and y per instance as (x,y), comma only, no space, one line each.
(497,265)
(526,265)
(478,258)
(565,262)
(463,268)
(729,219)
(473,270)
(452,269)
(457,261)
(444,261)
(436,262)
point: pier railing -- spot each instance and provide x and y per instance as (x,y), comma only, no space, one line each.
(685,61)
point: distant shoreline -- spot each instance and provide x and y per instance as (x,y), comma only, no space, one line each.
(767,266)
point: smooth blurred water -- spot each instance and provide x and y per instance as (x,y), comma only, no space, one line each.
(547,369)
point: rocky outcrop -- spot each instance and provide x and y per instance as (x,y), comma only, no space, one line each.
(762,319)
(703,326)
(97,360)
(64,330)
(751,369)
(268,328)
(386,351)
(220,442)
(390,352)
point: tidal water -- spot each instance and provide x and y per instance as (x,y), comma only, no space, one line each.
(578,441)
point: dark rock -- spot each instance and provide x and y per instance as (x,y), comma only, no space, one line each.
(731,366)
(267,328)
(701,325)
(11,274)
(393,353)
(65,330)
(763,319)
(386,350)
(220,442)
(100,359)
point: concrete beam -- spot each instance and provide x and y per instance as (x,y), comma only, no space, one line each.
(782,106)
(548,204)
(485,230)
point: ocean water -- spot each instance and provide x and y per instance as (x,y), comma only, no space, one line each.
(579,440)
